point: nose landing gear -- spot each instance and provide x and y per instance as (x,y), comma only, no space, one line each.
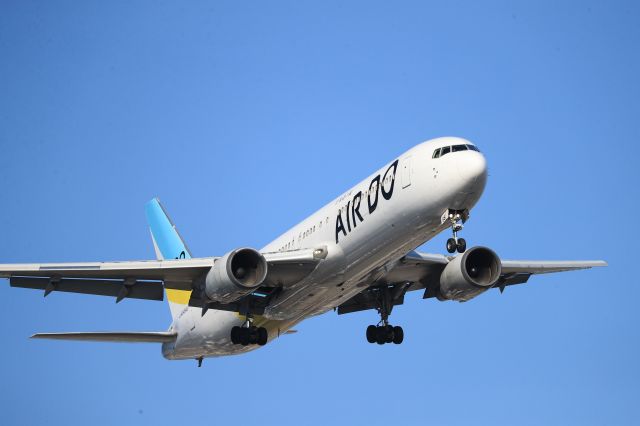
(457,218)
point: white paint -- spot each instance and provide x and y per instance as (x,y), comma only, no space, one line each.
(408,219)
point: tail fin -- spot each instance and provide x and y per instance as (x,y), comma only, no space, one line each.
(166,240)
(168,244)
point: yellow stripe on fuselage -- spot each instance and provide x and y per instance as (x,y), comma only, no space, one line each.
(180,297)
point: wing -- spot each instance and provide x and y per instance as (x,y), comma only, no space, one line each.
(519,271)
(147,279)
(421,271)
(112,336)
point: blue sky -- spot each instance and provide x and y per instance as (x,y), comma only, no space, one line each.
(246,117)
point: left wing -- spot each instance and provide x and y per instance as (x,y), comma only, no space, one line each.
(421,271)
(147,279)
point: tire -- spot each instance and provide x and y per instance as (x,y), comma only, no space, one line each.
(235,335)
(462,245)
(263,336)
(244,337)
(253,335)
(388,331)
(398,335)
(371,334)
(451,245)
(381,335)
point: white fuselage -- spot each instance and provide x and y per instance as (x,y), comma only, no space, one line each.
(373,224)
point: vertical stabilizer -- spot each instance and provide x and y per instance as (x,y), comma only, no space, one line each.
(168,244)
(166,240)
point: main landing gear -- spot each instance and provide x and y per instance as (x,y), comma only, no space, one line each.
(385,332)
(457,218)
(249,334)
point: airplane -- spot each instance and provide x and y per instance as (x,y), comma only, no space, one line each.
(356,253)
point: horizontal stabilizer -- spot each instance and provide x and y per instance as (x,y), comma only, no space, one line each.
(112,336)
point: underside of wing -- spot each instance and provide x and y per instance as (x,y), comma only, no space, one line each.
(112,336)
(130,279)
(147,279)
(418,271)
(548,266)
(415,271)
(519,271)
(284,269)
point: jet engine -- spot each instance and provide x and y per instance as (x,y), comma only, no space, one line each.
(234,275)
(470,274)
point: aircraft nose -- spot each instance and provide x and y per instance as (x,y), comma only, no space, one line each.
(472,168)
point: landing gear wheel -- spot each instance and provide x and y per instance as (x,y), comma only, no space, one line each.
(385,334)
(244,337)
(371,334)
(455,218)
(462,245)
(385,298)
(388,330)
(398,335)
(263,336)
(451,245)
(235,335)
(253,335)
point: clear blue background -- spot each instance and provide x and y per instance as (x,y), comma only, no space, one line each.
(245,117)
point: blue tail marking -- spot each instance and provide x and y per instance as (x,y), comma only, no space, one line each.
(167,241)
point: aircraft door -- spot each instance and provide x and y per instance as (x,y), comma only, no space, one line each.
(406,172)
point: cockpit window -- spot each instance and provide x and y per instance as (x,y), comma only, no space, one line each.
(441,152)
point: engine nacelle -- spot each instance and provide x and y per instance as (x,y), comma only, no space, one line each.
(470,274)
(234,275)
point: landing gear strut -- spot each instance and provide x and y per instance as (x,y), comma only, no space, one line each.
(384,332)
(249,334)
(457,218)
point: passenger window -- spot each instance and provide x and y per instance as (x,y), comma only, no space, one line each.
(445,150)
(457,148)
